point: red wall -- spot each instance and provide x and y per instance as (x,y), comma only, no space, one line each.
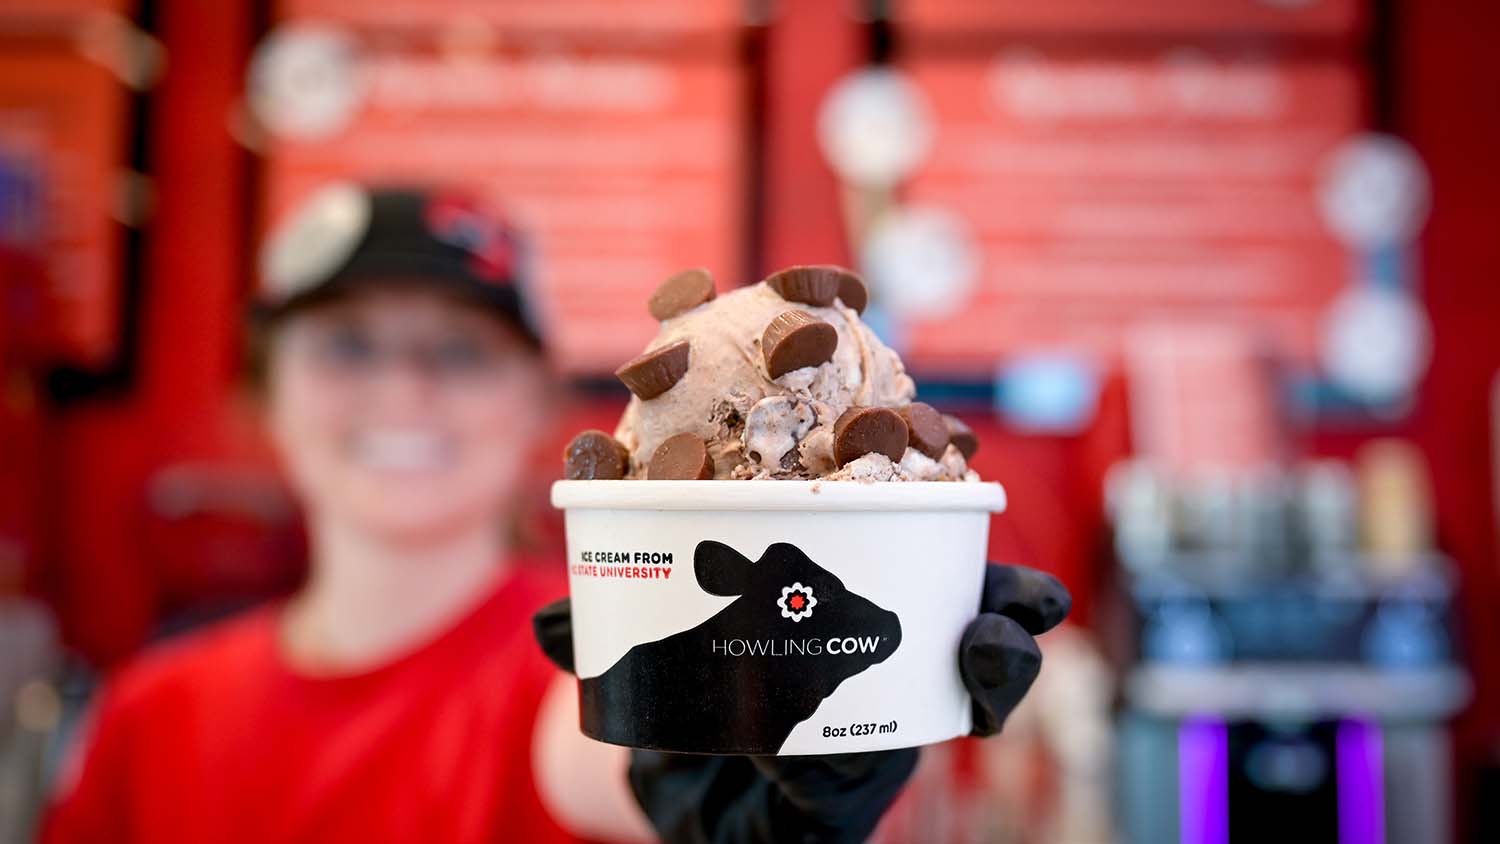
(108,452)
(1448,106)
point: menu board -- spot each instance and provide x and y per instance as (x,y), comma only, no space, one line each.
(1101,190)
(1150,17)
(61,142)
(617,167)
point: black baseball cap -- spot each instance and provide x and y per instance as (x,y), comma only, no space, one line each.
(349,237)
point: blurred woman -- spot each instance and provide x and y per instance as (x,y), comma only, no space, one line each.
(396,696)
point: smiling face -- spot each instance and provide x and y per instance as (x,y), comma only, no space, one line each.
(403,414)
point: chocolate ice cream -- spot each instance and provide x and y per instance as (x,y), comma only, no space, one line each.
(777,380)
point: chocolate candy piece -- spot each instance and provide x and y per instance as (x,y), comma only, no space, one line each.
(962,436)
(654,372)
(852,292)
(812,285)
(929,433)
(595,455)
(683,457)
(861,430)
(681,293)
(795,339)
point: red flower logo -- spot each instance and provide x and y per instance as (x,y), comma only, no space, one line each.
(796,602)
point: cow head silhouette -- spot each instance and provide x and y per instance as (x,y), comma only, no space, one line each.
(740,681)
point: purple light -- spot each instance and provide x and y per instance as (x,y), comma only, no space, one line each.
(1361,781)
(1203,782)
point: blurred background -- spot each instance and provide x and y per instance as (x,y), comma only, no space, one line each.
(1212,279)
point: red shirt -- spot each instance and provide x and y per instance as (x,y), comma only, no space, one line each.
(214,738)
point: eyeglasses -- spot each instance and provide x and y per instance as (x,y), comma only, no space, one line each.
(354,352)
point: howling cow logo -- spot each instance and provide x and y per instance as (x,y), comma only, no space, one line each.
(742,680)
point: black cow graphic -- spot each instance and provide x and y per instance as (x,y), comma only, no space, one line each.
(740,681)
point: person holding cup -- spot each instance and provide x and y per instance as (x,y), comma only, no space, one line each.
(400,694)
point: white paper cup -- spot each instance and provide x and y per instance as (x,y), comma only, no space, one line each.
(773,617)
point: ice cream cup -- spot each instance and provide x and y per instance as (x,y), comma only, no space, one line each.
(773,617)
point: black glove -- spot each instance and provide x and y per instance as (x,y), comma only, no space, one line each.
(695,799)
(997,656)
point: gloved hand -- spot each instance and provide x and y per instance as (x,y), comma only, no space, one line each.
(838,798)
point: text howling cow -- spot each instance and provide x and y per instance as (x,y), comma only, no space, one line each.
(740,681)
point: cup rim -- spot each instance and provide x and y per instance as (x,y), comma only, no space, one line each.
(911,496)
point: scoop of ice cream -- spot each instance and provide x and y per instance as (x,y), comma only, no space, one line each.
(770,368)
